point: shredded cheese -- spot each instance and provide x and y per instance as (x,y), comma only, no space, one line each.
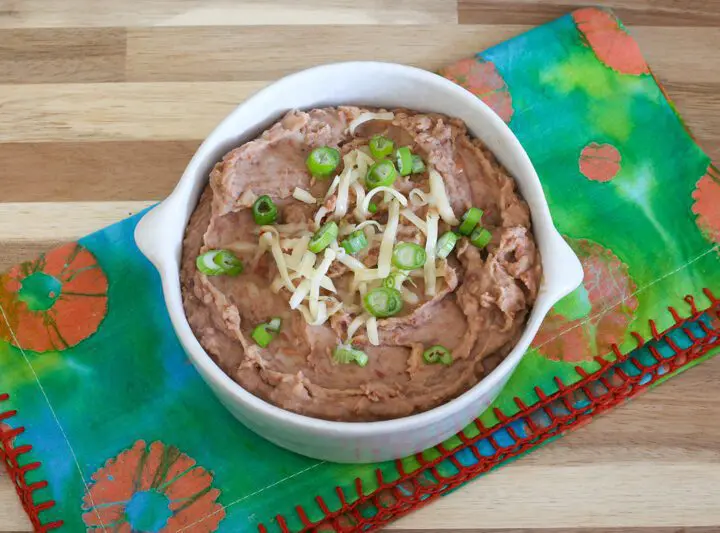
(365,117)
(388,240)
(304,196)
(320,271)
(440,199)
(430,245)
(341,204)
(396,195)
(372,331)
(359,198)
(409,296)
(319,216)
(300,293)
(355,325)
(369,274)
(298,251)
(279,257)
(412,217)
(419,198)
(350,262)
(333,187)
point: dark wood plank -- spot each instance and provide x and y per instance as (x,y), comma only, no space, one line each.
(16,252)
(693,13)
(63,55)
(102,171)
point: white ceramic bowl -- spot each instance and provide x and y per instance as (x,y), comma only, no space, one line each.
(160,233)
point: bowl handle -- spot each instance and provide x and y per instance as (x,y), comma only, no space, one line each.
(567,269)
(151,235)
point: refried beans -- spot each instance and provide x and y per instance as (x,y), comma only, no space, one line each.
(472,304)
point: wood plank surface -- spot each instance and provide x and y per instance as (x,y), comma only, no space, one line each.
(103,102)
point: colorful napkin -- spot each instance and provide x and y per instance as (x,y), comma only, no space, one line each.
(105,425)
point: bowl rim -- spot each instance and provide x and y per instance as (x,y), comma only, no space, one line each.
(170,274)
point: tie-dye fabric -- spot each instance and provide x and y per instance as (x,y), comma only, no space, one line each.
(128,437)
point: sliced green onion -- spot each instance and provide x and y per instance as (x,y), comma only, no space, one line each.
(381,174)
(469,220)
(355,242)
(418,165)
(262,336)
(348,354)
(408,256)
(372,207)
(381,147)
(437,354)
(403,155)
(446,244)
(219,263)
(322,161)
(480,237)
(323,237)
(391,281)
(264,211)
(383,302)
(274,324)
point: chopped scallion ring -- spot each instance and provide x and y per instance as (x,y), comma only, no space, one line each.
(262,336)
(355,242)
(437,354)
(446,244)
(408,256)
(381,174)
(480,237)
(323,237)
(383,302)
(418,165)
(323,161)
(264,211)
(404,159)
(381,147)
(219,263)
(274,324)
(372,208)
(345,354)
(470,219)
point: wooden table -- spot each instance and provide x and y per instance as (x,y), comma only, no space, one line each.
(102,103)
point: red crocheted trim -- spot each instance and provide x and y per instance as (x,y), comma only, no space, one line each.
(12,456)
(604,389)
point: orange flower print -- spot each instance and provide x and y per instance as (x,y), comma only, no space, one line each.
(610,41)
(481,78)
(596,315)
(707,203)
(54,302)
(154,489)
(599,162)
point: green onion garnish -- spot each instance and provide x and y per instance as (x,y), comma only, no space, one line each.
(348,354)
(446,244)
(274,324)
(383,302)
(322,161)
(408,256)
(381,147)
(372,207)
(264,211)
(469,220)
(323,237)
(480,237)
(418,165)
(355,242)
(437,354)
(219,263)
(381,174)
(391,282)
(262,336)
(404,159)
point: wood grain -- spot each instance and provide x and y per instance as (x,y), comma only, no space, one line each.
(688,13)
(103,102)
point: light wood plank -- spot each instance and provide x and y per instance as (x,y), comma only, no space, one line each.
(181,54)
(62,55)
(654,462)
(23,223)
(189,111)
(86,171)
(636,12)
(84,13)
(118,111)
